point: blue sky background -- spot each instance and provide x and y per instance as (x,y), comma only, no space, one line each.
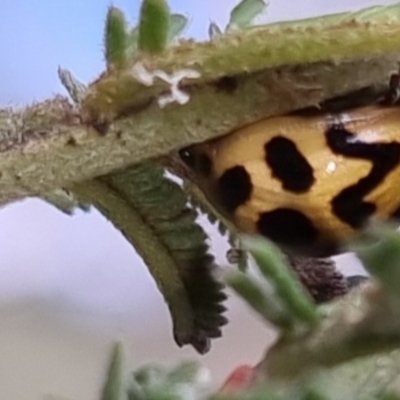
(42,34)
(39,35)
(70,285)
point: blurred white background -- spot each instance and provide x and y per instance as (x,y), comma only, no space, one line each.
(69,286)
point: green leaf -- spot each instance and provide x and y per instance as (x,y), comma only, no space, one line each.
(261,301)
(389,396)
(115,37)
(187,380)
(382,257)
(154,26)
(177,24)
(289,289)
(245,12)
(151,211)
(114,387)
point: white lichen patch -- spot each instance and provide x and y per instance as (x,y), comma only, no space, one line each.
(142,75)
(147,78)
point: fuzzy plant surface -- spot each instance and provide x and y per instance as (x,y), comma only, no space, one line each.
(117,121)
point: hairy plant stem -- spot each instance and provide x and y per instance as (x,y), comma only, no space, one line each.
(244,76)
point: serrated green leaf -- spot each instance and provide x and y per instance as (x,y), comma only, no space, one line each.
(198,200)
(177,24)
(116,37)
(153,26)
(151,211)
(245,12)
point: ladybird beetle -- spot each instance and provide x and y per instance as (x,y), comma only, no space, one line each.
(308,181)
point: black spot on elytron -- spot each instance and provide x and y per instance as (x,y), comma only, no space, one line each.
(234,188)
(349,205)
(199,162)
(287,227)
(227,84)
(288,164)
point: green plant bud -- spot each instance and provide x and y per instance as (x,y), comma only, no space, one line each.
(115,37)
(153,26)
